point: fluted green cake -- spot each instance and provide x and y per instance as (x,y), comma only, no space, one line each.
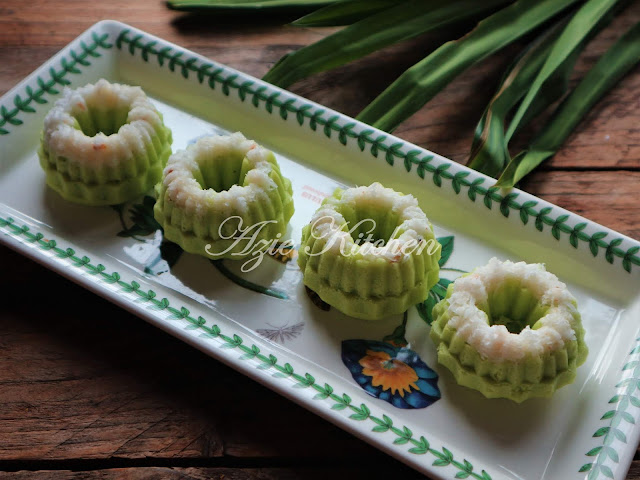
(370,252)
(103,144)
(219,187)
(509,330)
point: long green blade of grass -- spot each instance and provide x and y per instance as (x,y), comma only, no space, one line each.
(610,68)
(587,18)
(398,23)
(231,6)
(425,79)
(489,153)
(344,12)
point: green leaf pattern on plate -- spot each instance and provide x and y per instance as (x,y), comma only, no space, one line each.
(252,353)
(623,410)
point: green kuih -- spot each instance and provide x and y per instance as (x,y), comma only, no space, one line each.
(103,144)
(509,330)
(224,197)
(370,252)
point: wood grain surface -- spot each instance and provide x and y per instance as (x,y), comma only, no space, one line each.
(108,396)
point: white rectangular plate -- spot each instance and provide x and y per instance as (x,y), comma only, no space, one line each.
(587,429)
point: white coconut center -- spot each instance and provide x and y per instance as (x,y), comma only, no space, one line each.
(101,124)
(490,336)
(211,172)
(374,214)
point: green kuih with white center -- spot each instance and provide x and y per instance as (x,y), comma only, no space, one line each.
(509,330)
(370,252)
(219,187)
(103,144)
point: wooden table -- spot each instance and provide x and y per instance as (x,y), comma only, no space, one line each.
(110,396)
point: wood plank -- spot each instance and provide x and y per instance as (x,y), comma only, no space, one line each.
(43,22)
(88,380)
(608,138)
(318,472)
(609,198)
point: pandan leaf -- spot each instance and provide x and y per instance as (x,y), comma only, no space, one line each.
(345,12)
(610,68)
(489,153)
(390,26)
(240,6)
(425,79)
(579,27)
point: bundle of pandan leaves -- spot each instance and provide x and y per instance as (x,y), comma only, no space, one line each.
(556,32)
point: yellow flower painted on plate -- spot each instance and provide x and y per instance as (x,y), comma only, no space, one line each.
(390,374)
